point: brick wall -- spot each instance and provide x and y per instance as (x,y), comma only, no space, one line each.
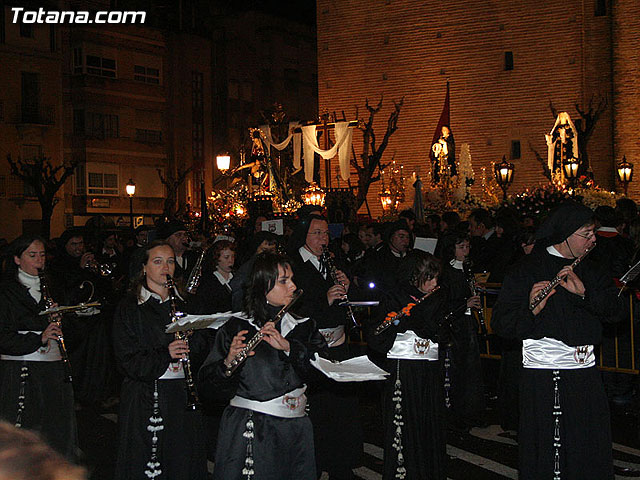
(395,48)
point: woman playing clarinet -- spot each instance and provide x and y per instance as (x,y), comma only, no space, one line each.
(158,436)
(33,391)
(265,433)
(414,436)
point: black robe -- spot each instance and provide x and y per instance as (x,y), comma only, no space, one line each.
(211,296)
(45,390)
(333,406)
(585,428)
(141,349)
(282,447)
(467,386)
(423,433)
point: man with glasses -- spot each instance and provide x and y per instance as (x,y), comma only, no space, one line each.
(565,430)
(333,406)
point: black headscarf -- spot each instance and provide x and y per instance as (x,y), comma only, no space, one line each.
(563,222)
(299,236)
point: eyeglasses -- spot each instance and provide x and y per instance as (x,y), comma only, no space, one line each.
(319,232)
(588,236)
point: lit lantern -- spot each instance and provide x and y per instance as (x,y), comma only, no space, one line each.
(503,172)
(625,173)
(130,188)
(223,161)
(386,199)
(570,168)
(314,195)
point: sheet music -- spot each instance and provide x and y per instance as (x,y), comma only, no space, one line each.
(358,369)
(198,322)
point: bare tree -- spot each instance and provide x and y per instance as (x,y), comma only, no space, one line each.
(369,165)
(45,180)
(172,182)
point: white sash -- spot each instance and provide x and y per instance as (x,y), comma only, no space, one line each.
(409,346)
(48,353)
(289,405)
(334,336)
(174,370)
(552,354)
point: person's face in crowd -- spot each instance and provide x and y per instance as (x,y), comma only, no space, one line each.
(476,229)
(582,239)
(179,241)
(258,225)
(162,261)
(141,238)
(366,236)
(462,250)
(317,237)
(75,247)
(499,231)
(428,285)
(110,241)
(376,238)
(283,289)
(443,226)
(266,246)
(399,241)
(445,131)
(226,259)
(32,258)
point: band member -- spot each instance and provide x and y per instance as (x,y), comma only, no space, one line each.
(158,436)
(265,433)
(333,406)
(214,292)
(414,436)
(33,392)
(175,234)
(467,387)
(565,431)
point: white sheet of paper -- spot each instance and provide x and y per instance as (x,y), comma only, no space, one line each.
(425,244)
(358,369)
(198,322)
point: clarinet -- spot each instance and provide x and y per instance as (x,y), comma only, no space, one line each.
(55,318)
(471,280)
(544,293)
(327,259)
(393,316)
(196,273)
(254,341)
(193,401)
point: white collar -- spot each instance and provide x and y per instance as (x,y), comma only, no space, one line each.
(222,280)
(457,264)
(307,255)
(488,234)
(28,280)
(396,254)
(554,251)
(146,294)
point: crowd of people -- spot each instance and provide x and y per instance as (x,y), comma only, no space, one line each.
(183,400)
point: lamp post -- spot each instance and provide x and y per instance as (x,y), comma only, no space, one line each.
(625,173)
(503,172)
(130,188)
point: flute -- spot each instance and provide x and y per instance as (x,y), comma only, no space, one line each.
(393,316)
(254,341)
(544,293)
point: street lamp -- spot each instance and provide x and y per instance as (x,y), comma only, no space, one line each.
(223,161)
(130,188)
(503,172)
(625,173)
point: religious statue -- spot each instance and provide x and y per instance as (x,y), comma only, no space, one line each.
(562,142)
(443,156)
